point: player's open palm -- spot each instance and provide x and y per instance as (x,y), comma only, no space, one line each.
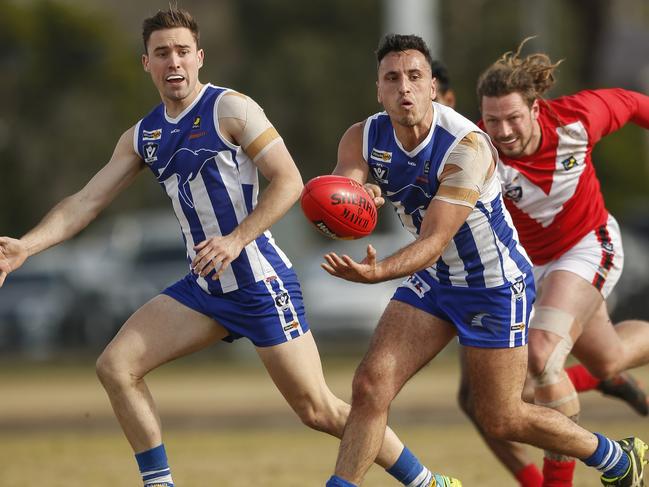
(13,253)
(216,253)
(347,268)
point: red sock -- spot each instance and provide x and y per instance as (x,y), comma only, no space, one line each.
(581,378)
(530,476)
(558,474)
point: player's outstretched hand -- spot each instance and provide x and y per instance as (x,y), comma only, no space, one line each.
(375,192)
(216,253)
(346,268)
(12,255)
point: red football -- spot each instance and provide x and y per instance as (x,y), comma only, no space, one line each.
(339,207)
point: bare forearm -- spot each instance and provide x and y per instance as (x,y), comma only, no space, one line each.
(62,222)
(273,204)
(420,254)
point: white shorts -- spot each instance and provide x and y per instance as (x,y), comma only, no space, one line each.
(598,258)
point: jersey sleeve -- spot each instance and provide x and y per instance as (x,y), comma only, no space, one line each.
(608,110)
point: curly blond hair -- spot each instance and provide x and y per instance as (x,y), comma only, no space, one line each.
(531,76)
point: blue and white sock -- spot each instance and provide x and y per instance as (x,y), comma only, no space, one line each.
(336,481)
(609,458)
(154,467)
(409,471)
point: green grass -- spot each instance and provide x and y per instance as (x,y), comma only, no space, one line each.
(56,429)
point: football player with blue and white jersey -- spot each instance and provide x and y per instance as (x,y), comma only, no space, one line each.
(204,145)
(467,274)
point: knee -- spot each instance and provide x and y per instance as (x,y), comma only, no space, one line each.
(503,424)
(112,372)
(547,358)
(605,368)
(324,414)
(371,389)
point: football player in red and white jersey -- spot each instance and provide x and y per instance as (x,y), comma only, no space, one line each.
(554,197)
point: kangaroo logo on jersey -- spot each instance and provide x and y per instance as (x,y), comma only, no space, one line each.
(381,156)
(380,173)
(518,288)
(180,166)
(152,134)
(514,193)
(569,163)
(282,300)
(417,284)
(197,123)
(150,152)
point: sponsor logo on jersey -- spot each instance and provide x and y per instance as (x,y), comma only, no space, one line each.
(569,163)
(517,327)
(282,300)
(196,135)
(412,163)
(418,286)
(518,288)
(152,134)
(477,322)
(150,152)
(293,325)
(197,123)
(380,173)
(514,193)
(381,156)
(175,131)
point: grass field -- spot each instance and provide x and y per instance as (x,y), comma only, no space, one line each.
(226,425)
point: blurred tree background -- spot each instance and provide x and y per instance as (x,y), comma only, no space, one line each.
(73,82)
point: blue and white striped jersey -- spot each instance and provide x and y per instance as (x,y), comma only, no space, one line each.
(485,252)
(212,184)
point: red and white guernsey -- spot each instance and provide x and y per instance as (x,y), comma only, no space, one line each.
(553,195)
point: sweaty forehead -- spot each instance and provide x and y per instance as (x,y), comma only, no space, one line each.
(177,36)
(404,61)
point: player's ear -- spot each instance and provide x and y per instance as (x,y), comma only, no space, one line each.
(535,109)
(201,57)
(145,62)
(378,94)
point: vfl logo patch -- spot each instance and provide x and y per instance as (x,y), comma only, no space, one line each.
(282,300)
(514,193)
(150,152)
(418,286)
(381,156)
(152,134)
(197,123)
(380,173)
(608,247)
(569,163)
(518,288)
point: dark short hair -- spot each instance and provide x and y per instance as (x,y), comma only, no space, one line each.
(399,43)
(169,19)
(440,73)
